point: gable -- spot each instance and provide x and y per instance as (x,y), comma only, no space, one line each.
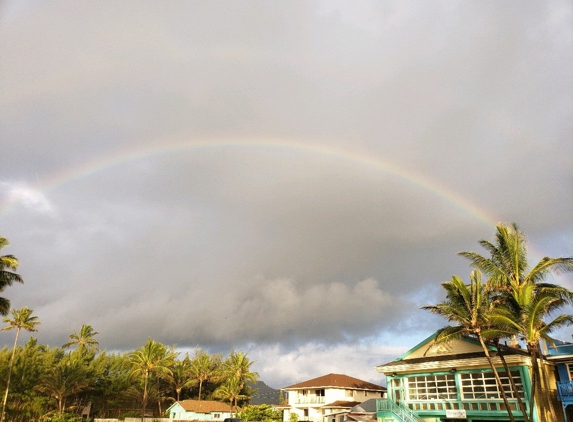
(463,353)
(454,347)
(176,407)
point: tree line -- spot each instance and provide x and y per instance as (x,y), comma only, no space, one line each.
(514,301)
(55,384)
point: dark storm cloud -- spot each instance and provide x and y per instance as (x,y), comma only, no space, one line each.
(290,252)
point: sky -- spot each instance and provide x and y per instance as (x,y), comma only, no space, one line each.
(288,179)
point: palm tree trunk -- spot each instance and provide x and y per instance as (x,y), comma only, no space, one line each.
(4,401)
(513,386)
(534,374)
(200,385)
(498,380)
(144,404)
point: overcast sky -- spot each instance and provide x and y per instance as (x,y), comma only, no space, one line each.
(290,179)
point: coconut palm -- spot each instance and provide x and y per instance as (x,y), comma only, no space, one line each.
(67,378)
(508,261)
(231,391)
(238,366)
(524,314)
(84,340)
(468,306)
(8,263)
(21,319)
(181,376)
(509,272)
(205,367)
(153,358)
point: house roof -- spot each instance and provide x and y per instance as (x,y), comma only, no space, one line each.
(204,406)
(341,403)
(465,351)
(368,406)
(336,381)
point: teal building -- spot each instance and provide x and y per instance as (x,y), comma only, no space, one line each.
(453,382)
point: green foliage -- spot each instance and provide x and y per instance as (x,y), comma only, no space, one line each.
(263,412)
(8,264)
(64,417)
(85,339)
(293,417)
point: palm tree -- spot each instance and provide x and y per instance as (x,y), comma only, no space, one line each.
(85,339)
(508,262)
(21,319)
(468,306)
(230,390)
(181,377)
(524,314)
(205,367)
(67,378)
(153,358)
(509,272)
(7,262)
(238,366)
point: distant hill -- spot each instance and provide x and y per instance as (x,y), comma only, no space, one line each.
(264,394)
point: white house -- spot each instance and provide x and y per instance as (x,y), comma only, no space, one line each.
(328,398)
(204,410)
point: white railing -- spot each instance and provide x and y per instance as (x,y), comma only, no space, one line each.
(309,400)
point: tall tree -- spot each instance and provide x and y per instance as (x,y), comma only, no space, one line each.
(85,339)
(152,359)
(510,273)
(238,366)
(524,313)
(205,367)
(8,263)
(21,319)
(181,377)
(67,378)
(230,390)
(468,306)
(508,262)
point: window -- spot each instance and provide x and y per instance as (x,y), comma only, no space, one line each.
(217,415)
(349,393)
(482,385)
(306,413)
(431,387)
(320,392)
(570,368)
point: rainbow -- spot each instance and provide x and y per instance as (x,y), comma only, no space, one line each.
(170,147)
(167,147)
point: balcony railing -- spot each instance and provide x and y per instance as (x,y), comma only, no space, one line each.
(565,391)
(560,349)
(439,407)
(309,400)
